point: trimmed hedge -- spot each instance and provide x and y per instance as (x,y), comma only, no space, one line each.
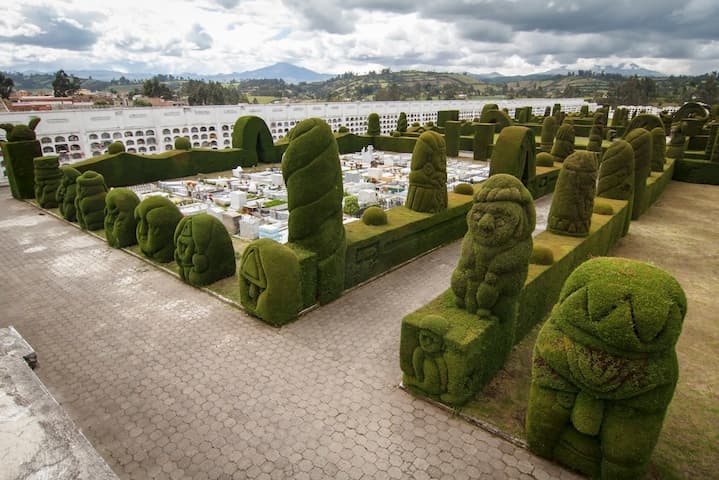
(203,250)
(451,137)
(549,130)
(482,141)
(443,116)
(120,222)
(67,192)
(373,125)
(428,177)
(374,216)
(48,178)
(573,200)
(250,133)
(514,154)
(604,368)
(659,149)
(90,200)
(402,122)
(641,141)
(696,171)
(19,168)
(157,218)
(544,159)
(463,189)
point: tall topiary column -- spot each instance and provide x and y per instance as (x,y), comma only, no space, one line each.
(641,141)
(402,122)
(48,178)
(596,135)
(659,149)
(90,200)
(313,175)
(203,250)
(563,143)
(451,136)
(549,130)
(19,151)
(604,368)
(443,116)
(616,175)
(120,222)
(66,193)
(573,200)
(373,126)
(157,218)
(428,177)
(483,138)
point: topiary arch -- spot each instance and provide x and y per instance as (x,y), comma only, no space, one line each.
(515,154)
(251,133)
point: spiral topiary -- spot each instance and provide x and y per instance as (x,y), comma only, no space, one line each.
(67,192)
(115,147)
(157,218)
(573,200)
(463,189)
(428,177)
(596,135)
(402,122)
(313,175)
(90,200)
(48,178)
(604,368)
(120,222)
(374,216)
(373,126)
(563,143)
(641,141)
(203,250)
(182,143)
(549,130)
(659,149)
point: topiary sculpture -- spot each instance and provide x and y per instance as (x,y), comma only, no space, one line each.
(604,368)
(373,126)
(659,149)
(641,141)
(182,143)
(573,200)
(120,222)
(67,192)
(157,218)
(563,143)
(90,200)
(514,154)
(616,175)
(596,135)
(251,134)
(374,216)
(646,121)
(48,178)
(544,159)
(495,251)
(463,189)
(486,109)
(119,147)
(203,250)
(483,138)
(313,175)
(549,130)
(451,137)
(428,177)
(402,122)
(19,151)
(429,367)
(541,255)
(677,142)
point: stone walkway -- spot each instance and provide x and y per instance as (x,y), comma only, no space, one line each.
(169,382)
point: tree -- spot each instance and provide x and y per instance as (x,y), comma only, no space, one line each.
(65,85)
(153,88)
(6,86)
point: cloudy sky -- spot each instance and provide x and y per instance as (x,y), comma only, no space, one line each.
(335,36)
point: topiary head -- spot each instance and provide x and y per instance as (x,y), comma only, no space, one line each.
(182,143)
(433,328)
(157,217)
(115,147)
(21,133)
(120,204)
(374,216)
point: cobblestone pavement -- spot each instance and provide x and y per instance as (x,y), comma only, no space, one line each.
(169,382)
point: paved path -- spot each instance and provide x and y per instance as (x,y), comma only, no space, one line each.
(168,382)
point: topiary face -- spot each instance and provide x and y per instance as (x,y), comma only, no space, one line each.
(494,223)
(203,250)
(157,218)
(120,222)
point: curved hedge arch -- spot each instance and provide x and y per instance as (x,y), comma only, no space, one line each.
(697,110)
(250,133)
(515,154)
(499,118)
(646,121)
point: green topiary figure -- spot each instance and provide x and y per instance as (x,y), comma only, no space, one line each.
(203,250)
(641,141)
(677,142)
(90,200)
(659,149)
(402,122)
(463,189)
(373,126)
(430,372)
(66,193)
(646,121)
(563,143)
(120,222)
(48,178)
(313,175)
(604,368)
(557,110)
(19,151)
(270,282)
(541,255)
(495,251)
(486,109)
(711,138)
(596,135)
(549,130)
(544,159)
(443,116)
(374,216)
(428,177)
(157,218)
(573,200)
(182,143)
(616,175)
(251,134)
(514,154)
(584,110)
(344,129)
(119,147)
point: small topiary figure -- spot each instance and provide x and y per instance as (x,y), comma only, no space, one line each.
(373,126)
(428,178)
(641,141)
(495,251)
(429,366)
(464,189)
(120,222)
(119,147)
(203,250)
(616,175)
(604,368)
(541,255)
(573,200)
(563,143)
(19,151)
(549,130)
(90,200)
(374,216)
(48,178)
(182,143)
(402,122)
(659,149)
(157,218)
(313,175)
(677,142)
(66,193)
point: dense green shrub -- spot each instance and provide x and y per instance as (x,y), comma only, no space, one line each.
(451,137)
(544,159)
(157,218)
(499,118)
(19,151)
(541,255)
(711,138)
(659,149)
(373,125)
(374,216)
(428,177)
(344,129)
(270,282)
(584,110)
(21,133)
(604,368)
(313,175)
(203,250)
(90,200)
(549,130)
(119,147)
(250,133)
(563,143)
(464,189)
(573,200)
(514,154)
(483,138)
(67,192)
(596,135)
(641,141)
(486,108)
(48,178)
(602,208)
(183,143)
(402,122)
(120,222)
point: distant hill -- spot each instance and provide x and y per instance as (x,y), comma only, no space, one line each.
(623,69)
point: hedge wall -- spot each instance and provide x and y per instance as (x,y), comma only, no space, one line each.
(19,166)
(696,171)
